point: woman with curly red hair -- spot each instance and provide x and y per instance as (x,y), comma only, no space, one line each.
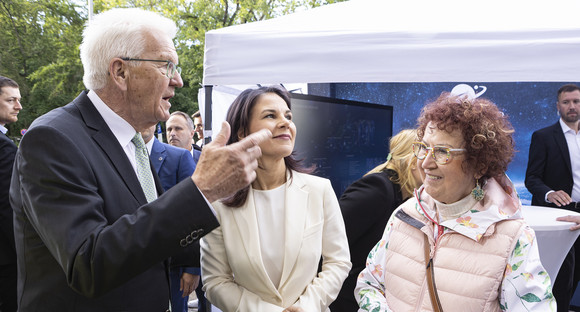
(460,243)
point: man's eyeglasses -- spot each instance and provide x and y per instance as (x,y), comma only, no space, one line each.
(441,154)
(170,70)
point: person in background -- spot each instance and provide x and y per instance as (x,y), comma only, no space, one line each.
(172,165)
(460,243)
(9,108)
(553,178)
(180,131)
(265,255)
(92,228)
(368,203)
(198,126)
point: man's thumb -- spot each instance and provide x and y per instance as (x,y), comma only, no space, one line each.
(222,138)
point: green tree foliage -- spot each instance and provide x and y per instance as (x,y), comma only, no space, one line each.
(39,49)
(40,43)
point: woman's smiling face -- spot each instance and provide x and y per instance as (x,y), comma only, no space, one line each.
(450,182)
(271,112)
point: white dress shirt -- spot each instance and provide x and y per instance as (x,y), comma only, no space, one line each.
(573,141)
(121,129)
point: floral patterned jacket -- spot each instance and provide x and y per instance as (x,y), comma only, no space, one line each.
(526,286)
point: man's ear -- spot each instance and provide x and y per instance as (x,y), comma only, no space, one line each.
(118,70)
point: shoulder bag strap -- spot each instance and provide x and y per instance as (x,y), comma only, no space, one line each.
(431,279)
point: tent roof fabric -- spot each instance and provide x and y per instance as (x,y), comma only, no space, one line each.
(402,41)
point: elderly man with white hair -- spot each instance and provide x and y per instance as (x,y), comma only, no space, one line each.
(92,227)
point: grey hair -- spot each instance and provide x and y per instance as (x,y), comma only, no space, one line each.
(117,33)
(188,120)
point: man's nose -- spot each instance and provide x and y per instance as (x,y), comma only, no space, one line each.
(176,81)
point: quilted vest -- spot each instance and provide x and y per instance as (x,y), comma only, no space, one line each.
(468,274)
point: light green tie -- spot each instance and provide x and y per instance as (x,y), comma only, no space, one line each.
(144,168)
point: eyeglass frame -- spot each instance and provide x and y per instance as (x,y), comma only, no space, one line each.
(430,150)
(169,64)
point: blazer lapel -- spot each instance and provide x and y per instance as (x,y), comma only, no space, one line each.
(106,140)
(158,154)
(562,144)
(246,221)
(296,207)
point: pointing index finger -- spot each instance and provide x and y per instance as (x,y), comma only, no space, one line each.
(254,139)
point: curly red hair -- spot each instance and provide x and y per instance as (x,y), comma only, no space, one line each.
(487,132)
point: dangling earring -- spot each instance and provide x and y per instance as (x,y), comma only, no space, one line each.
(477,191)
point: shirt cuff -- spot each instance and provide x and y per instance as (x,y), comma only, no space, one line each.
(207,201)
(545,197)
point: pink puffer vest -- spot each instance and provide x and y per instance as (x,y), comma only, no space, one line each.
(468,274)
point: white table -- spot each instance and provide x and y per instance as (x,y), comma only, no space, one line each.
(554,237)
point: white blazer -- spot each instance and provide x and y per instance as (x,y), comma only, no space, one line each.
(233,272)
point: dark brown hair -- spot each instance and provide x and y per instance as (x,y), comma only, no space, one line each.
(238,116)
(567,88)
(486,131)
(7,82)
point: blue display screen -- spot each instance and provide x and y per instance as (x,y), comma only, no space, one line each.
(344,139)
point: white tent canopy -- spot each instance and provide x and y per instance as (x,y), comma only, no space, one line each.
(402,41)
(396,41)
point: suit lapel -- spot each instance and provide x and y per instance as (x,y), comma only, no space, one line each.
(562,144)
(296,207)
(246,221)
(105,139)
(158,154)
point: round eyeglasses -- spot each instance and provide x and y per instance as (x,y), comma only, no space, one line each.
(441,154)
(170,70)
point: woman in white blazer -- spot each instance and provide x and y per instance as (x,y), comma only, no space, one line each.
(265,255)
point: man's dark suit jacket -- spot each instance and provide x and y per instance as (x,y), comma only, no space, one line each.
(7,249)
(366,206)
(86,238)
(549,168)
(549,165)
(173,165)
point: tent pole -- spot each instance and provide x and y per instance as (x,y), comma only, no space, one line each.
(207,118)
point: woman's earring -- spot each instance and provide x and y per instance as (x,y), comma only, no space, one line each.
(477,191)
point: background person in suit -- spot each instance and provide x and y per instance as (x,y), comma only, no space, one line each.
(553,178)
(180,131)
(174,164)
(198,126)
(367,204)
(9,109)
(90,235)
(265,255)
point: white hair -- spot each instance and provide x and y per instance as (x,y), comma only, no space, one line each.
(117,33)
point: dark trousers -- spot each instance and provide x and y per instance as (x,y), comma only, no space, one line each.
(8,277)
(568,277)
(202,305)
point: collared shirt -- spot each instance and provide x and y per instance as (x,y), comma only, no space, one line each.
(122,130)
(149,146)
(3,129)
(573,141)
